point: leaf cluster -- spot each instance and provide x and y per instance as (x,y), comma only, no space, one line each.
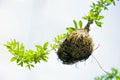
(96,8)
(77,25)
(27,57)
(57,41)
(114,75)
(60,38)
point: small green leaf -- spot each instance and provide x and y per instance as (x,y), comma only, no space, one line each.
(58,39)
(80,24)
(100,17)
(13,59)
(117,77)
(28,66)
(54,46)
(110,76)
(108,2)
(45,45)
(75,24)
(85,17)
(115,71)
(91,13)
(70,29)
(22,46)
(21,64)
(44,59)
(32,65)
(18,60)
(38,46)
(99,24)
(93,5)
(15,43)
(64,36)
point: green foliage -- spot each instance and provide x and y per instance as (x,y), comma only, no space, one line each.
(96,8)
(80,24)
(76,24)
(27,57)
(60,38)
(70,29)
(98,23)
(114,75)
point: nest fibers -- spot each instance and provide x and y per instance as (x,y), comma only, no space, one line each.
(76,47)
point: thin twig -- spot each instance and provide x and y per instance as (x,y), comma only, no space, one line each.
(99,65)
(97,47)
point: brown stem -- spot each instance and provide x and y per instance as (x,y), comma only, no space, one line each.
(87,27)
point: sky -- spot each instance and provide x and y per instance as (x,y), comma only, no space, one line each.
(35,21)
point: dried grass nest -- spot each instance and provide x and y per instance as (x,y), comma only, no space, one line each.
(76,47)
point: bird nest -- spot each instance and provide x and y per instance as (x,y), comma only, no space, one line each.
(76,47)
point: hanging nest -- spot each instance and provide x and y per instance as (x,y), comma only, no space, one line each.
(76,47)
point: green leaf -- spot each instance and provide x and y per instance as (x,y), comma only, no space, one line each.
(13,59)
(75,24)
(21,47)
(44,59)
(38,46)
(14,45)
(85,17)
(64,36)
(28,66)
(18,60)
(45,45)
(91,13)
(99,24)
(110,76)
(32,65)
(108,2)
(114,75)
(80,24)
(59,37)
(117,77)
(54,46)
(93,5)
(70,29)
(100,17)
(115,71)
(21,64)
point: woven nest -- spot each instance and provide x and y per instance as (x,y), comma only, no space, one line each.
(77,47)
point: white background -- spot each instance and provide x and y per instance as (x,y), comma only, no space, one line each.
(35,21)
